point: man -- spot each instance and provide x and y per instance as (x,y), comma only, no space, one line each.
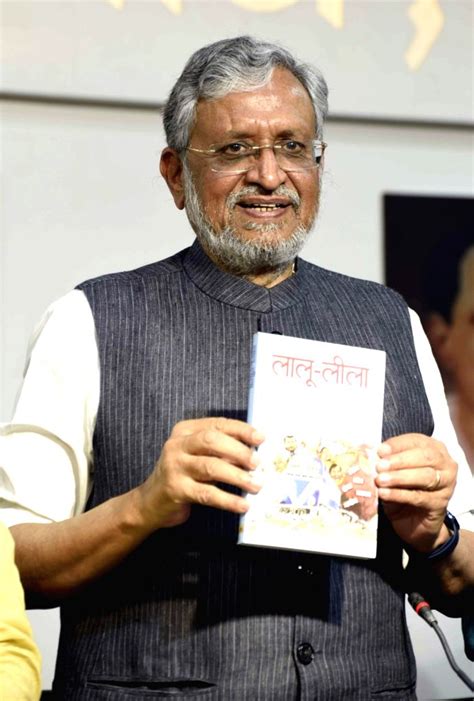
(157,598)
(449,324)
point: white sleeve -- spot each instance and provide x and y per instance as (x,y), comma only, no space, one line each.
(462,500)
(46,450)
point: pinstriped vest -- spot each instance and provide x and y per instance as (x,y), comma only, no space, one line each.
(189,613)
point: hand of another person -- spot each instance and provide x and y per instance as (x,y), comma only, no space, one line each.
(198,454)
(416,478)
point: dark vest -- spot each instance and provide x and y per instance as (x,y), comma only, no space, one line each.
(190,613)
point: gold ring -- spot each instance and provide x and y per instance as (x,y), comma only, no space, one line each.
(435,484)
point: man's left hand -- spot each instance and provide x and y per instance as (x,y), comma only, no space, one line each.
(416,478)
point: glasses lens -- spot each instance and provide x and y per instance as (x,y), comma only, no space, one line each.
(298,155)
(291,156)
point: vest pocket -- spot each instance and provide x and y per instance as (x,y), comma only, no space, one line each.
(396,692)
(155,689)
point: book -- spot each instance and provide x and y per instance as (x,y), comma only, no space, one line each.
(320,408)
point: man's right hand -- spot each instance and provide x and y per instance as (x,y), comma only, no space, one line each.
(56,559)
(198,454)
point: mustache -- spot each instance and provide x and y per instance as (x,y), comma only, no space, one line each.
(281,191)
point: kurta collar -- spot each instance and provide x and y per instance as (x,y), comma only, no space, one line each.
(238,292)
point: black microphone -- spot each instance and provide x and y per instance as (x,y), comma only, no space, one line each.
(423,609)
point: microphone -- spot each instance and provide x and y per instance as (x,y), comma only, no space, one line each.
(423,609)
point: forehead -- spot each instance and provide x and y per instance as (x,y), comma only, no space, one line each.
(282,106)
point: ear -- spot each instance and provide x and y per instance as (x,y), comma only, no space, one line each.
(171,168)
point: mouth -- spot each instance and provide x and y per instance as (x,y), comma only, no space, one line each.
(264,207)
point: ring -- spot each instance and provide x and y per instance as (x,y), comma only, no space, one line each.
(435,484)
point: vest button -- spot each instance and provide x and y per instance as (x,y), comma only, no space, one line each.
(305,653)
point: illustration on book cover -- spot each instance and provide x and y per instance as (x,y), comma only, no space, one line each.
(320,407)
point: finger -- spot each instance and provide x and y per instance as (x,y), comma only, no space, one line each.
(411,458)
(209,469)
(210,495)
(404,441)
(419,498)
(428,479)
(239,430)
(432,449)
(211,442)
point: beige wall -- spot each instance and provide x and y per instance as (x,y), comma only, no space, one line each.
(404,58)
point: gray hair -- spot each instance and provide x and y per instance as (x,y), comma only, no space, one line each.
(234,65)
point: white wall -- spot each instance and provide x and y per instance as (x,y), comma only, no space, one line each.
(81,193)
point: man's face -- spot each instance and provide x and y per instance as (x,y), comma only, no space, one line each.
(265,205)
(290,443)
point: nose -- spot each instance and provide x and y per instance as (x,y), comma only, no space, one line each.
(265,171)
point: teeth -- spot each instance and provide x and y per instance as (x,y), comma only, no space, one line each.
(264,207)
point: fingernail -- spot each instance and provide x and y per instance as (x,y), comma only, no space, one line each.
(258,437)
(384,477)
(383,465)
(255,460)
(384,449)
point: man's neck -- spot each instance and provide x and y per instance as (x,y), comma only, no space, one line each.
(266,278)
(272,277)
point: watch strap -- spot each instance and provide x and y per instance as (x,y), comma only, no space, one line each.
(445,548)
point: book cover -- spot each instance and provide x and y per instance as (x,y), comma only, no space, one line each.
(320,407)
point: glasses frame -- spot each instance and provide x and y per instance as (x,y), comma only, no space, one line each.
(315,143)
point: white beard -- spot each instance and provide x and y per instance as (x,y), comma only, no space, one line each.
(237,256)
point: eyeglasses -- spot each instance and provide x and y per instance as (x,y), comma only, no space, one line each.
(239,157)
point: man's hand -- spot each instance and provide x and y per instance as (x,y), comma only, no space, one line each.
(56,559)
(416,478)
(198,454)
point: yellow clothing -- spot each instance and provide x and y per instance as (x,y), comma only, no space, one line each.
(20,660)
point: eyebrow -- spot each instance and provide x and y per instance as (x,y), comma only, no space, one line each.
(284,134)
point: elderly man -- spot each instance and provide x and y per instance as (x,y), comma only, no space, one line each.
(129,505)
